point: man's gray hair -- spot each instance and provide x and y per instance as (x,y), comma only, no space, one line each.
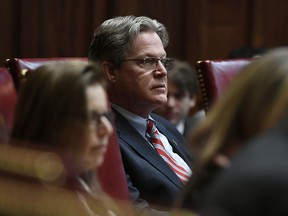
(113,39)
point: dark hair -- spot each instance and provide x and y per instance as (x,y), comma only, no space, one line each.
(184,77)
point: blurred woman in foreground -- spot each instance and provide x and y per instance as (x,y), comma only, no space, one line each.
(59,138)
(240,164)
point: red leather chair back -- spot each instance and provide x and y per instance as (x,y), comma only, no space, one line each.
(215,75)
(8,98)
(18,67)
(111,174)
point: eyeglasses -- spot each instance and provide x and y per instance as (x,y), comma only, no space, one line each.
(96,117)
(150,63)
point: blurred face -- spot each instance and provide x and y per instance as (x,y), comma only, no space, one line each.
(89,150)
(178,105)
(137,89)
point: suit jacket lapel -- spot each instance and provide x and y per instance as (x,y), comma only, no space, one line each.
(127,133)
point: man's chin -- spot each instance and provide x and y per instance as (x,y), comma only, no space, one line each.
(159,104)
(161,100)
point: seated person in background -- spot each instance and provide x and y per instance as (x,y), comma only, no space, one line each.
(234,175)
(63,109)
(131,52)
(182,97)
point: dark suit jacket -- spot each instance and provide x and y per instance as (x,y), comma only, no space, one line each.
(257,182)
(149,178)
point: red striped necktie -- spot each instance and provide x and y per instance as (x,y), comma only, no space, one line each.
(153,136)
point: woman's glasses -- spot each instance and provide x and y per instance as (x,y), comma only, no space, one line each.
(97,117)
(151,63)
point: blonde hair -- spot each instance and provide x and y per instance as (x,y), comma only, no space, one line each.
(255,101)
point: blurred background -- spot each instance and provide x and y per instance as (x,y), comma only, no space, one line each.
(199,29)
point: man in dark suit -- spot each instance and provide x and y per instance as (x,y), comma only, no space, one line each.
(131,52)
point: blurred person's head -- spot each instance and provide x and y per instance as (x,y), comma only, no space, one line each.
(64,106)
(182,93)
(131,52)
(255,101)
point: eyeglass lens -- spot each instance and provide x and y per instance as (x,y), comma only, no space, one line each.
(97,116)
(151,63)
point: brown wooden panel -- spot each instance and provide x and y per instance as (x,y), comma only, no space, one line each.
(48,28)
(8,38)
(223,27)
(199,29)
(270,23)
(171,13)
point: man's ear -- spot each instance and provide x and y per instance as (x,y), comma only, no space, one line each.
(109,71)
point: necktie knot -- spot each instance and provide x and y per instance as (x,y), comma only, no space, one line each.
(151,128)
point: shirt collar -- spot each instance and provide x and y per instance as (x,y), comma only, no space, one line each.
(180,126)
(138,122)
